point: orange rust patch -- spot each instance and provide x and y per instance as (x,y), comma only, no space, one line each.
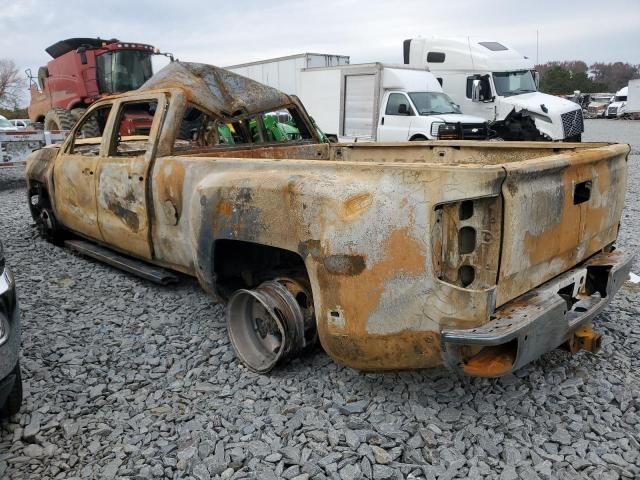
(357,204)
(359,296)
(169,184)
(491,361)
(397,351)
(224,209)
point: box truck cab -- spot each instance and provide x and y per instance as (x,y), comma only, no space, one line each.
(497,83)
(387,103)
(618,105)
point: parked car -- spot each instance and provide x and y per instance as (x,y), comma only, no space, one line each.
(21,123)
(10,379)
(6,124)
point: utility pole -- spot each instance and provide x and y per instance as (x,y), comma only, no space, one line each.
(537,48)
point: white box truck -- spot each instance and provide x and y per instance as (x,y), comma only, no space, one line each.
(633,97)
(386,103)
(497,83)
(282,72)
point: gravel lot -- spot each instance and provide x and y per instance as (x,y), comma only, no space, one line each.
(124,379)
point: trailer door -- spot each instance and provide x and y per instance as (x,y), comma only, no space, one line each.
(359,102)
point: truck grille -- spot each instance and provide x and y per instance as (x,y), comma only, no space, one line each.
(572,123)
(474,131)
(612,111)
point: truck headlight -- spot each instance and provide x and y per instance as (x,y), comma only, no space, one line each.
(449,131)
(434,128)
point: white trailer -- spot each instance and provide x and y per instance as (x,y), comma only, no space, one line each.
(15,146)
(388,103)
(282,72)
(497,83)
(633,96)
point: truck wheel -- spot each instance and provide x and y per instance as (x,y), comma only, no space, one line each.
(59,119)
(271,323)
(42,213)
(14,400)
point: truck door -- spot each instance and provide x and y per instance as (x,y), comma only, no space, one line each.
(395,121)
(124,172)
(75,173)
(485,105)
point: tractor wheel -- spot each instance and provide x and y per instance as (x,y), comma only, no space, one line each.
(90,129)
(59,119)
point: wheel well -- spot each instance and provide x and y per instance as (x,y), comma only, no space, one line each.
(239,264)
(418,137)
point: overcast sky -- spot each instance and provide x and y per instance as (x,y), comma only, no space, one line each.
(229,32)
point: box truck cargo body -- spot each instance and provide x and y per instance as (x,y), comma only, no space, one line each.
(282,72)
(388,103)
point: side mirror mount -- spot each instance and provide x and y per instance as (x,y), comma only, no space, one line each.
(475,90)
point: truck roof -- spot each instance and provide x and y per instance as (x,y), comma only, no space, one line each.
(289,57)
(223,93)
(464,54)
(65,46)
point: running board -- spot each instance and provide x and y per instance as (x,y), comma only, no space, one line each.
(137,267)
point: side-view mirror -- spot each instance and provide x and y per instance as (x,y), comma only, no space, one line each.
(475,90)
(536,79)
(403,109)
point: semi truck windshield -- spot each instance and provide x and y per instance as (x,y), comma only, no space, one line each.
(514,83)
(433,103)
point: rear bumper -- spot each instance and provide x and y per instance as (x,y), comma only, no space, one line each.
(538,321)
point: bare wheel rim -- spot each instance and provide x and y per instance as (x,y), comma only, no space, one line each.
(264,325)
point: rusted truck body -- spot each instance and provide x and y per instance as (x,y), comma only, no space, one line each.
(478,256)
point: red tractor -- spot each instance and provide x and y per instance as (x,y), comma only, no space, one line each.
(82,71)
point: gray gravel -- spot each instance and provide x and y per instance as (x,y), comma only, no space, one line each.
(124,379)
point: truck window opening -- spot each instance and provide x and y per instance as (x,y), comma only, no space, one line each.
(433,103)
(134,125)
(514,83)
(88,135)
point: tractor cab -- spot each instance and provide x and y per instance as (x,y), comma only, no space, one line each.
(82,71)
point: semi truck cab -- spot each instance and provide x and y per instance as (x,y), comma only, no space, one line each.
(493,81)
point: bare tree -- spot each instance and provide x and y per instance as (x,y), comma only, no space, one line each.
(10,84)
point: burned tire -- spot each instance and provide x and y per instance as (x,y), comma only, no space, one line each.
(59,119)
(42,213)
(14,401)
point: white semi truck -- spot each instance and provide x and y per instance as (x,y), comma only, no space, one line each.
(368,102)
(618,106)
(493,81)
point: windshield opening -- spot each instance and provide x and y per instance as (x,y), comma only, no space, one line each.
(433,103)
(514,83)
(5,123)
(123,70)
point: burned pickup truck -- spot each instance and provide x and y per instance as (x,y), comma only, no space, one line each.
(474,255)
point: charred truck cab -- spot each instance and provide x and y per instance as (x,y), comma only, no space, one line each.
(481,256)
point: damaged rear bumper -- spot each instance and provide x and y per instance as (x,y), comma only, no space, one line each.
(544,318)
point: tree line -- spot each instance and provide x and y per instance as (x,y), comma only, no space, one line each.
(562,78)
